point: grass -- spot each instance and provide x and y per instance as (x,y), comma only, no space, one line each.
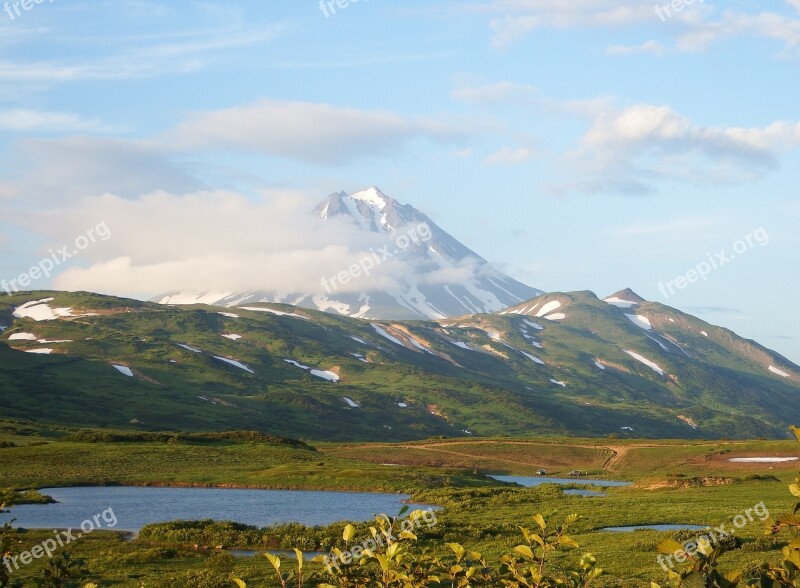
(478,513)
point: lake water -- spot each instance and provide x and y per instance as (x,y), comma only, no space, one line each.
(135,507)
(655,528)
(530,481)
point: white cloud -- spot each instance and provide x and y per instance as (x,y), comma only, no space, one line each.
(511,156)
(694,28)
(651,47)
(19,120)
(162,242)
(73,167)
(311,132)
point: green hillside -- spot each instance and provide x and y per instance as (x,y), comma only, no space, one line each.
(512,373)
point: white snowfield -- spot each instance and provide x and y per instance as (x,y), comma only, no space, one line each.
(651,364)
(557,383)
(620,302)
(462,345)
(39,310)
(350,402)
(536,326)
(640,321)
(548,308)
(47,342)
(189,348)
(354,338)
(43,351)
(781,373)
(187,299)
(233,337)
(325,375)
(273,311)
(124,370)
(23,337)
(229,314)
(762,459)
(234,363)
(599,365)
(402,405)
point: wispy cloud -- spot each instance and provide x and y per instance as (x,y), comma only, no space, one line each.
(310,132)
(21,120)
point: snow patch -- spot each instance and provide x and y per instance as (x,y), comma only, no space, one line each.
(39,310)
(620,302)
(599,365)
(234,363)
(354,338)
(22,337)
(273,311)
(558,316)
(548,308)
(233,337)
(557,383)
(189,348)
(229,314)
(124,370)
(43,351)
(652,365)
(296,364)
(325,375)
(532,357)
(781,373)
(640,321)
(350,402)
(402,405)
(761,459)
(704,334)
(382,332)
(45,341)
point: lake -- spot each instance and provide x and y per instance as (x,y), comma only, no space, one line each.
(135,507)
(530,481)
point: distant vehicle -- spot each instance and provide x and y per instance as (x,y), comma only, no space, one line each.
(575,473)
(541,472)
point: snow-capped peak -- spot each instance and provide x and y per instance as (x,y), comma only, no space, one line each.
(372,196)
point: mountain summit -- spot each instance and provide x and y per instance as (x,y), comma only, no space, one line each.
(420,272)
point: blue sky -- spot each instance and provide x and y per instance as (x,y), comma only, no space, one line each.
(578,145)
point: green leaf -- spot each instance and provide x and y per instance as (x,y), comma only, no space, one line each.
(693,580)
(348,533)
(274,560)
(457,549)
(524,551)
(669,546)
(299,555)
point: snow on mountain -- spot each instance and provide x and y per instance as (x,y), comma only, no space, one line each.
(438,277)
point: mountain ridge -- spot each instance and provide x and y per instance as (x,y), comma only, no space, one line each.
(597,370)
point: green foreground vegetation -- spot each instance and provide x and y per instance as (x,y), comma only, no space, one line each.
(680,482)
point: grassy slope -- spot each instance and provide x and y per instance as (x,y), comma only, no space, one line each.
(493,389)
